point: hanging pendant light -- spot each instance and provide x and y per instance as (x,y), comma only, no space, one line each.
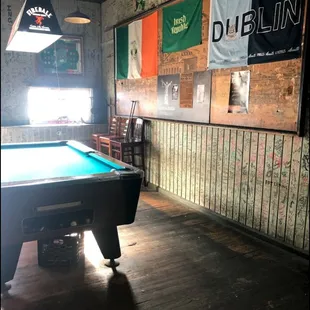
(35,28)
(77,17)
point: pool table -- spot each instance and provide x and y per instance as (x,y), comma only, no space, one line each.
(52,189)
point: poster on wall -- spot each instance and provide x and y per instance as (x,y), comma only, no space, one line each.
(167,94)
(196,104)
(186,90)
(245,32)
(175,92)
(239,92)
(201,89)
(200,97)
(65,56)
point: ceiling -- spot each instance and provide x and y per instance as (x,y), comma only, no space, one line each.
(94,1)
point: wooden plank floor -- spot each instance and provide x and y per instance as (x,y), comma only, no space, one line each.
(173,258)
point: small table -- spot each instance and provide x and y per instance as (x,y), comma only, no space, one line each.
(56,188)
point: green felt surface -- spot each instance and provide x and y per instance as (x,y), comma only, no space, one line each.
(46,161)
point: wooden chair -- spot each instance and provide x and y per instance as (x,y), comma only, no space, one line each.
(128,149)
(124,130)
(113,131)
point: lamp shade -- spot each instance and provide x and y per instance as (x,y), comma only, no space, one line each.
(35,28)
(77,17)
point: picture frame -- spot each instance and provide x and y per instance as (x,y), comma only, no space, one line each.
(64,57)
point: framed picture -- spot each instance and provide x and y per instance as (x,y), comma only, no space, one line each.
(239,92)
(65,56)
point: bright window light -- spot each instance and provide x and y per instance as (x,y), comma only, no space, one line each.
(59,105)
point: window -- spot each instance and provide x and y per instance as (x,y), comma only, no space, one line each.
(59,105)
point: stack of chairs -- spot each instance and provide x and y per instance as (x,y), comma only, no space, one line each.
(114,126)
(130,148)
(125,140)
(105,141)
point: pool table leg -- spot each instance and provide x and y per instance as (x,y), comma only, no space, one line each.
(9,260)
(108,242)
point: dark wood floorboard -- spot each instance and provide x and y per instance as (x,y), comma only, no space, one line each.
(172,258)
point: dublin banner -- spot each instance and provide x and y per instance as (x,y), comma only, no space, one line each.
(245,32)
(182,26)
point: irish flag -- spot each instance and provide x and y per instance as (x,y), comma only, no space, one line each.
(137,48)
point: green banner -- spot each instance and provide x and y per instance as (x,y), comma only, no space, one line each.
(182,25)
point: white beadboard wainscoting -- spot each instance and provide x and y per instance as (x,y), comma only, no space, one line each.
(82,133)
